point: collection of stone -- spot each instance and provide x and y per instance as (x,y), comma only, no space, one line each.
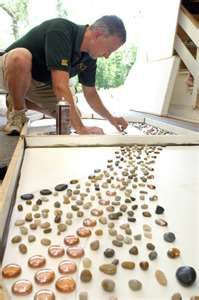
(151,130)
(109,203)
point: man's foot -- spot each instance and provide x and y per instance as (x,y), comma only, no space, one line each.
(15,122)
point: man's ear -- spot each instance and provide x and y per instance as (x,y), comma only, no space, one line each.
(98,34)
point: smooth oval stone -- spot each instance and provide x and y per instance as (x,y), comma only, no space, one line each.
(161,222)
(45,192)
(159,210)
(27,196)
(56,251)
(135,285)
(130,265)
(44,276)
(146,214)
(144,265)
(99,232)
(133,250)
(108,285)
(169,237)
(11,271)
(86,275)
(109,252)
(45,242)
(23,248)
(19,222)
(67,267)
(83,232)
(36,261)
(75,252)
(61,187)
(16,239)
(150,246)
(117,243)
(161,278)
(83,296)
(186,275)
(44,294)
(176,296)
(109,269)
(87,262)
(89,222)
(22,287)
(65,284)
(95,245)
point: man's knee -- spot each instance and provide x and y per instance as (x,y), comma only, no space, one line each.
(19,59)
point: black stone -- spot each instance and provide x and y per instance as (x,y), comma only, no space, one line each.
(169,237)
(159,210)
(132,219)
(27,196)
(45,192)
(61,187)
(186,275)
(109,252)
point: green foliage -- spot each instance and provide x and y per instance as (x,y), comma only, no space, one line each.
(112,73)
(17,11)
(61,11)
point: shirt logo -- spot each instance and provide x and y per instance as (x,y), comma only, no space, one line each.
(64,62)
(82,67)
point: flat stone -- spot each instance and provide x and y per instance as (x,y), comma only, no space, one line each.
(135,285)
(137,237)
(150,246)
(109,269)
(61,187)
(169,237)
(108,285)
(45,192)
(27,196)
(117,243)
(186,275)
(161,222)
(160,277)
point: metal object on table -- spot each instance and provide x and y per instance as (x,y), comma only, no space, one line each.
(63,125)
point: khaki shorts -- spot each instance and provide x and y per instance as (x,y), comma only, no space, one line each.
(39,93)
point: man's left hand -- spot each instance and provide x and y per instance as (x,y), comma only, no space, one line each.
(119,123)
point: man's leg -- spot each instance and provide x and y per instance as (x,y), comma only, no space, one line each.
(17,72)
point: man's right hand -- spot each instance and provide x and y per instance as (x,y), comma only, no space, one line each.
(90,130)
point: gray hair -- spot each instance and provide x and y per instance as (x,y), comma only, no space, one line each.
(110,25)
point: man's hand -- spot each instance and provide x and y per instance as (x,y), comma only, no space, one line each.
(90,130)
(119,123)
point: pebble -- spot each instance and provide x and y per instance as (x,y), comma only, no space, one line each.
(134,250)
(108,285)
(31,238)
(103,220)
(112,232)
(144,265)
(117,243)
(23,230)
(161,222)
(137,237)
(115,262)
(99,232)
(147,228)
(150,246)
(161,278)
(27,196)
(186,275)
(153,255)
(45,225)
(16,239)
(23,248)
(22,287)
(65,284)
(11,271)
(33,226)
(87,262)
(95,245)
(86,275)
(130,265)
(146,214)
(62,227)
(176,296)
(135,285)
(109,252)
(61,187)
(109,269)
(113,298)
(128,240)
(169,237)
(45,242)
(19,222)
(45,192)
(28,217)
(20,207)
(83,296)
(173,253)
(159,210)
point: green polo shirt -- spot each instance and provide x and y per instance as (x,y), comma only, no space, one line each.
(55,44)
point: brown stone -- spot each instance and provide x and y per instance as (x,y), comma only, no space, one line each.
(44,276)
(75,252)
(67,267)
(36,261)
(22,287)
(65,284)
(11,271)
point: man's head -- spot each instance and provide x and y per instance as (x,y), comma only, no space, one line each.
(106,35)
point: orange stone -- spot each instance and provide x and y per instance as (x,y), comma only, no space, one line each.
(65,284)
(67,267)
(11,271)
(56,251)
(89,222)
(71,240)
(44,295)
(44,276)
(36,261)
(22,287)
(75,252)
(83,232)
(96,212)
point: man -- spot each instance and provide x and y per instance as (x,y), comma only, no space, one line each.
(36,69)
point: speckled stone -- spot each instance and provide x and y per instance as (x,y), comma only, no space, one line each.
(153,255)
(86,275)
(109,269)
(134,250)
(99,232)
(130,265)
(109,252)
(108,285)
(161,278)
(169,237)
(23,248)
(135,285)
(31,238)
(186,275)
(150,246)
(176,296)
(16,239)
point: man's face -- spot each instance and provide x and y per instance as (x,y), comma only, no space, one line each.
(103,46)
